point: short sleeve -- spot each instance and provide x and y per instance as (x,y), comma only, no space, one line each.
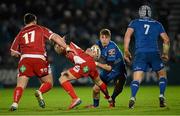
(47,32)
(161,28)
(132,24)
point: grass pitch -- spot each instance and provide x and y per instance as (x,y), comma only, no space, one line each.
(57,102)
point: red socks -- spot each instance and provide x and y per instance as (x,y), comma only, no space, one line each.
(103,88)
(69,89)
(45,87)
(17,94)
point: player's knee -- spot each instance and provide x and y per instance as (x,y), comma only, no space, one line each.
(63,78)
(96,89)
(161,73)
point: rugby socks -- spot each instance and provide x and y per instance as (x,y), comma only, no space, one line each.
(69,89)
(45,87)
(103,88)
(162,85)
(134,88)
(95,102)
(17,94)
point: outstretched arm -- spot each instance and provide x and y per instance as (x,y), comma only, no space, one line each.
(127,38)
(104,66)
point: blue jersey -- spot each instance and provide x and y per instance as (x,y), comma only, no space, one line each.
(112,55)
(146,32)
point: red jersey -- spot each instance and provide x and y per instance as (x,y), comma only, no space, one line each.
(31,40)
(84,63)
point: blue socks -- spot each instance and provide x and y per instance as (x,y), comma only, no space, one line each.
(134,88)
(95,102)
(162,85)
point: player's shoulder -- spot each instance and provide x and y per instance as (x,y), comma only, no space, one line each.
(134,21)
(112,44)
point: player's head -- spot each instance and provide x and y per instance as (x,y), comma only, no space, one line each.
(144,11)
(105,36)
(29,18)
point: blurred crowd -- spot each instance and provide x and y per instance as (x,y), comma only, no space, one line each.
(78,20)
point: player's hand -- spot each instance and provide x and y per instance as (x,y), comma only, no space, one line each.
(165,57)
(59,49)
(127,56)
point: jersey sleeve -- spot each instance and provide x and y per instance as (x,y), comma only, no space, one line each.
(132,24)
(161,28)
(47,33)
(15,45)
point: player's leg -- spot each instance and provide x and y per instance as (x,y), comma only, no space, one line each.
(119,84)
(162,86)
(137,77)
(96,97)
(139,67)
(103,87)
(18,91)
(158,66)
(46,85)
(43,71)
(64,80)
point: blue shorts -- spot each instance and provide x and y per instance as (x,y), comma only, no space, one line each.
(143,61)
(117,72)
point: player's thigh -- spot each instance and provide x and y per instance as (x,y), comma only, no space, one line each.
(140,62)
(25,68)
(47,78)
(22,81)
(156,61)
(138,75)
(120,81)
(162,73)
(66,76)
(41,67)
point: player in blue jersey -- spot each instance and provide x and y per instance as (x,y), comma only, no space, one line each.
(112,67)
(146,32)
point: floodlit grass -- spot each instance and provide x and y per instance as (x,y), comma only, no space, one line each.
(57,102)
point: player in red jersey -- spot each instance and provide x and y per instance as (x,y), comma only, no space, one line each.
(29,45)
(84,66)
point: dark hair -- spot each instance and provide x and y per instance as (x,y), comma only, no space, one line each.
(106,32)
(28,18)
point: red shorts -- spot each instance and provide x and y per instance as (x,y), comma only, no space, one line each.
(33,67)
(80,71)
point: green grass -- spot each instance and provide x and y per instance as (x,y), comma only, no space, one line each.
(57,102)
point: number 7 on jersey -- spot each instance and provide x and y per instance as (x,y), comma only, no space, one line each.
(146,26)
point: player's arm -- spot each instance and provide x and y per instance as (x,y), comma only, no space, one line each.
(127,38)
(166,46)
(104,66)
(15,48)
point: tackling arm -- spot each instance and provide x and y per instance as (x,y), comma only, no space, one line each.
(104,66)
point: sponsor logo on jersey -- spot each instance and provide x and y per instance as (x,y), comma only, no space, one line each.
(23,68)
(111,52)
(85,69)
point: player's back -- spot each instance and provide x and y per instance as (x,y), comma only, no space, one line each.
(32,40)
(146,32)
(78,56)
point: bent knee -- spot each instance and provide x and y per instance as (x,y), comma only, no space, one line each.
(96,89)
(161,73)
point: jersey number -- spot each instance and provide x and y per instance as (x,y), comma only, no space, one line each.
(26,37)
(146,26)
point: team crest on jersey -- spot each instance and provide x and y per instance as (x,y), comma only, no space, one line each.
(111,52)
(23,68)
(85,69)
